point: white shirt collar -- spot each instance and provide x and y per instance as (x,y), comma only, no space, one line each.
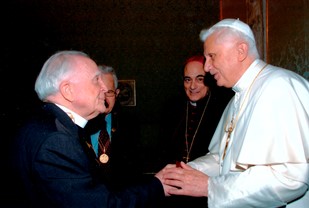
(77,119)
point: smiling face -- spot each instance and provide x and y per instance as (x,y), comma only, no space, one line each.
(224,58)
(194,81)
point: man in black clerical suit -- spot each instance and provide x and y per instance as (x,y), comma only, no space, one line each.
(190,121)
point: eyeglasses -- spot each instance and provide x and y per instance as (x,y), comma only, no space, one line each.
(110,93)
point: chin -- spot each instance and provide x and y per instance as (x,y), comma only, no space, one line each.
(102,110)
(194,99)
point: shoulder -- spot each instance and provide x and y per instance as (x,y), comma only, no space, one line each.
(280,80)
(46,122)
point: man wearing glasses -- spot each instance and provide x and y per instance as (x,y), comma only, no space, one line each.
(114,151)
(110,79)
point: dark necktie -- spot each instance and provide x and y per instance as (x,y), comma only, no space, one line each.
(104,147)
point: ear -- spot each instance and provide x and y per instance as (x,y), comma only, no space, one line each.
(67,91)
(117,92)
(242,51)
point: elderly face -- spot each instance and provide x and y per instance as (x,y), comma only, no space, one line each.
(112,92)
(86,88)
(222,60)
(194,81)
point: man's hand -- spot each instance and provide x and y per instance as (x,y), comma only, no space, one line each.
(160,175)
(185,180)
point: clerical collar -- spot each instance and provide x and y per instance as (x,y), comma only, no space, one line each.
(193,103)
(77,119)
(200,102)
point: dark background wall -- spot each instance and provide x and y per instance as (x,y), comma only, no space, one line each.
(143,40)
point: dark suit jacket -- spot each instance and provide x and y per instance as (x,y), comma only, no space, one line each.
(57,169)
(125,162)
(175,127)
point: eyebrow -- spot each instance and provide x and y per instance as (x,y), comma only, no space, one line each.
(211,54)
(200,75)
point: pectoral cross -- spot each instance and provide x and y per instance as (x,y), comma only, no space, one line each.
(228,138)
(186,159)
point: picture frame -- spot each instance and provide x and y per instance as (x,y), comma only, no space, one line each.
(127,94)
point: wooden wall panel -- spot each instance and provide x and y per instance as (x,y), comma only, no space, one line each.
(281,28)
(287,34)
(250,12)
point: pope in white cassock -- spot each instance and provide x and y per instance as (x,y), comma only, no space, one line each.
(259,154)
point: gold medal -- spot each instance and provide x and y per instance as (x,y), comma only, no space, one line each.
(104,158)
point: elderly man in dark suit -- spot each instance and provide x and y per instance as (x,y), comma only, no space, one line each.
(52,157)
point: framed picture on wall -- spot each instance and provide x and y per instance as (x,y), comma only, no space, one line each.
(127,95)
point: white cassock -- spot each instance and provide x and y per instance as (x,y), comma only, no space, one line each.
(266,161)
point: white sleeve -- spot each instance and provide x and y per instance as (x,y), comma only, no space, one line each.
(258,186)
(208,164)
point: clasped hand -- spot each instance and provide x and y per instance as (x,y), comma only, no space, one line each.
(183,180)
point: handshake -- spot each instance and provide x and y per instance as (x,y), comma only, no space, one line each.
(181,179)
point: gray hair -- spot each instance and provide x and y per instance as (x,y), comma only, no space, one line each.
(109,70)
(232,28)
(54,70)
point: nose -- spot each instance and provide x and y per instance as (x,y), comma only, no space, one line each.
(193,84)
(207,65)
(103,86)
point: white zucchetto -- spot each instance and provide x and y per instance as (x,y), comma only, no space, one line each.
(232,23)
